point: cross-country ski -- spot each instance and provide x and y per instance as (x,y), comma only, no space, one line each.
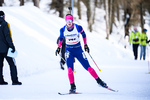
(68,93)
(111,89)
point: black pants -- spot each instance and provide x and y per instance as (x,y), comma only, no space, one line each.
(63,55)
(13,69)
(135,51)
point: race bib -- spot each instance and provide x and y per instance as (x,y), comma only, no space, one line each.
(72,37)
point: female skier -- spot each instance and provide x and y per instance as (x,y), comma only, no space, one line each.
(71,32)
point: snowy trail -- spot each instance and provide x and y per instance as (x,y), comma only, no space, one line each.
(132,83)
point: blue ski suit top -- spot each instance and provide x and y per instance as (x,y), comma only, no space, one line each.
(72,36)
(73,45)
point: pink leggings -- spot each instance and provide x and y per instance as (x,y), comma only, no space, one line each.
(90,70)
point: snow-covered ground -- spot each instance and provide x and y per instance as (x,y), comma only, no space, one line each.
(35,34)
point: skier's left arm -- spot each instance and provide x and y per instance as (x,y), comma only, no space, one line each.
(147,41)
(86,48)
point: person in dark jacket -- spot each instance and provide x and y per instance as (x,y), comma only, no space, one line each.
(6,43)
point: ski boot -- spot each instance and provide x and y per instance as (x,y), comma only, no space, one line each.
(73,88)
(3,83)
(101,83)
(16,83)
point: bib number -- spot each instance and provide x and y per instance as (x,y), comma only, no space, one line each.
(71,40)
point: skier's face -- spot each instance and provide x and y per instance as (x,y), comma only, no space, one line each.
(69,23)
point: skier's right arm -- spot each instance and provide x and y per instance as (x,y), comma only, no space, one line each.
(61,37)
(60,41)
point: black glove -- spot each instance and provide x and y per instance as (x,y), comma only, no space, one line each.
(57,51)
(13,49)
(147,41)
(142,39)
(135,40)
(86,48)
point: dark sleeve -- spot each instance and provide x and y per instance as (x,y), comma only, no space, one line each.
(61,34)
(147,41)
(8,35)
(81,31)
(57,40)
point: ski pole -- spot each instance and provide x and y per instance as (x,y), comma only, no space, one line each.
(65,62)
(62,58)
(70,9)
(94,62)
(148,60)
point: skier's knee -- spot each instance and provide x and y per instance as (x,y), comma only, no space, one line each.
(70,71)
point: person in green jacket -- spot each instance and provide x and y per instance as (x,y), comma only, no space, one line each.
(135,39)
(144,41)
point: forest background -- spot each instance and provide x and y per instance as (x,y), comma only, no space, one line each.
(130,13)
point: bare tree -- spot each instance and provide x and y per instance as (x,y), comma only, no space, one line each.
(79,8)
(1,2)
(144,5)
(111,14)
(94,11)
(141,16)
(107,19)
(58,6)
(90,12)
(89,15)
(36,3)
(21,2)
(127,15)
(133,14)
